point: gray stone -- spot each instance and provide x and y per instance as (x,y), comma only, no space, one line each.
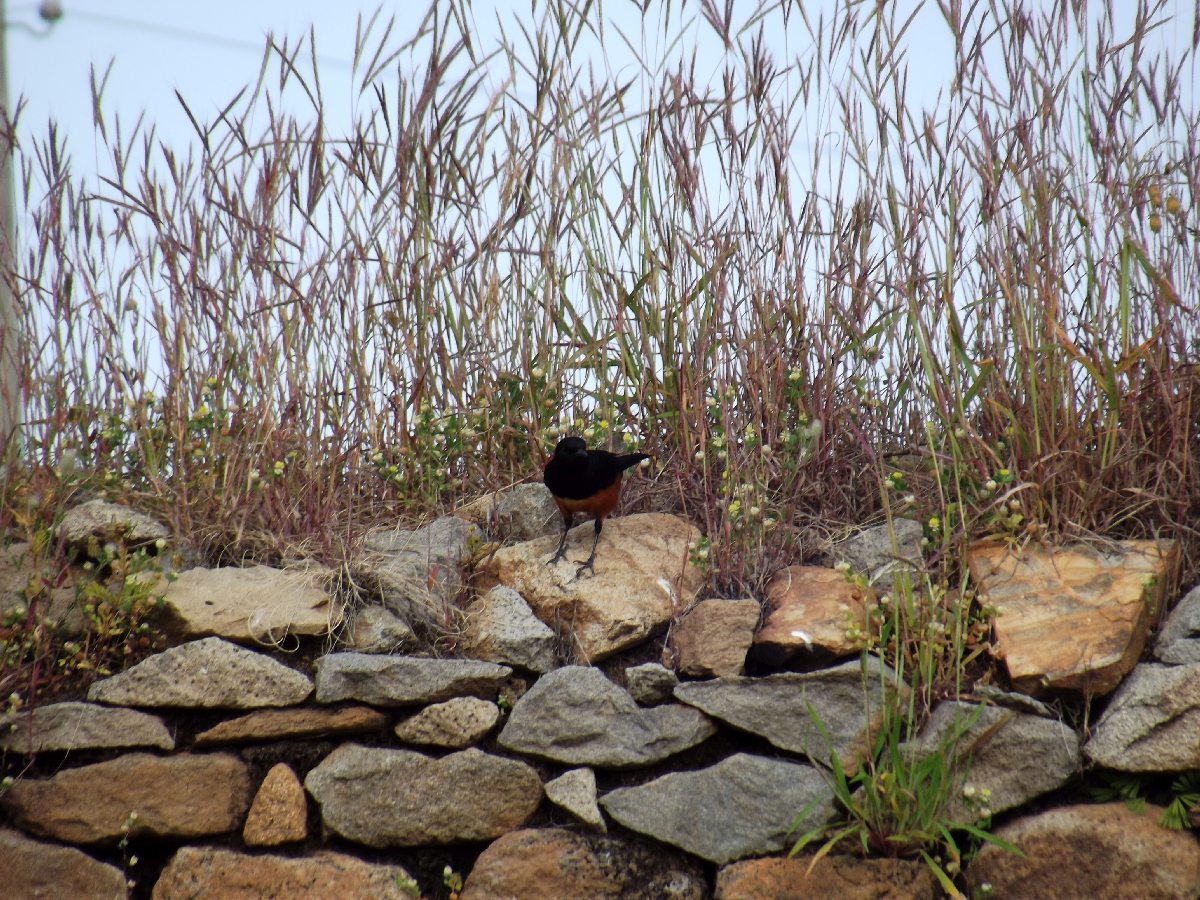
(527,512)
(417,573)
(456,723)
(500,627)
(81,726)
(105,522)
(1014,756)
(210,673)
(1152,723)
(742,806)
(1179,639)
(575,791)
(404,680)
(650,683)
(576,716)
(376,629)
(776,707)
(36,869)
(871,553)
(400,798)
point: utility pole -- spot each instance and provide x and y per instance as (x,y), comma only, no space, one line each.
(10,372)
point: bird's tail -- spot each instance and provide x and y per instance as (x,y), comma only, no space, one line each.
(629,460)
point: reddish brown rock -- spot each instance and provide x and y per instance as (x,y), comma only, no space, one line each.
(36,869)
(280,724)
(712,639)
(810,608)
(1103,851)
(1073,618)
(832,878)
(215,872)
(553,863)
(180,796)
(643,577)
(279,813)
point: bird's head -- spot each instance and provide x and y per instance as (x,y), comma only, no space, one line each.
(571,449)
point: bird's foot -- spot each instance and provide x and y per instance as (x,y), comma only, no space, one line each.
(586,567)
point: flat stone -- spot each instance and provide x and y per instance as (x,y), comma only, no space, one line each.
(1016,756)
(183,796)
(1178,642)
(555,864)
(575,791)
(454,724)
(500,627)
(36,869)
(401,798)
(376,629)
(404,680)
(218,872)
(289,724)
(650,683)
(776,707)
(256,603)
(1102,851)
(713,637)
(528,512)
(417,573)
(811,609)
(833,877)
(279,813)
(643,578)
(81,726)
(104,521)
(1073,618)
(210,673)
(742,806)
(1152,723)
(576,716)
(883,551)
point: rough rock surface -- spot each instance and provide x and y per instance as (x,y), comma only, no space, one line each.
(284,724)
(279,813)
(58,606)
(575,791)
(376,629)
(713,637)
(417,573)
(400,798)
(527,512)
(1103,851)
(36,869)
(776,708)
(834,877)
(454,724)
(106,521)
(210,673)
(218,872)
(810,609)
(1178,641)
(1014,755)
(742,806)
(872,553)
(500,627)
(404,680)
(643,577)
(554,864)
(81,726)
(181,796)
(650,683)
(257,603)
(1152,723)
(576,716)
(1073,618)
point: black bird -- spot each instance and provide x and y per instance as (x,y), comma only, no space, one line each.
(587,481)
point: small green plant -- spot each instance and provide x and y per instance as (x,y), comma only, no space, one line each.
(452,881)
(408,885)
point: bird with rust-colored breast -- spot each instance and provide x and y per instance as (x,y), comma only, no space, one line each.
(585,481)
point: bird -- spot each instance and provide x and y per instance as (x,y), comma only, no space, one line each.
(587,481)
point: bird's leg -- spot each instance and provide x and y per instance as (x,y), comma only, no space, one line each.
(592,559)
(562,544)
